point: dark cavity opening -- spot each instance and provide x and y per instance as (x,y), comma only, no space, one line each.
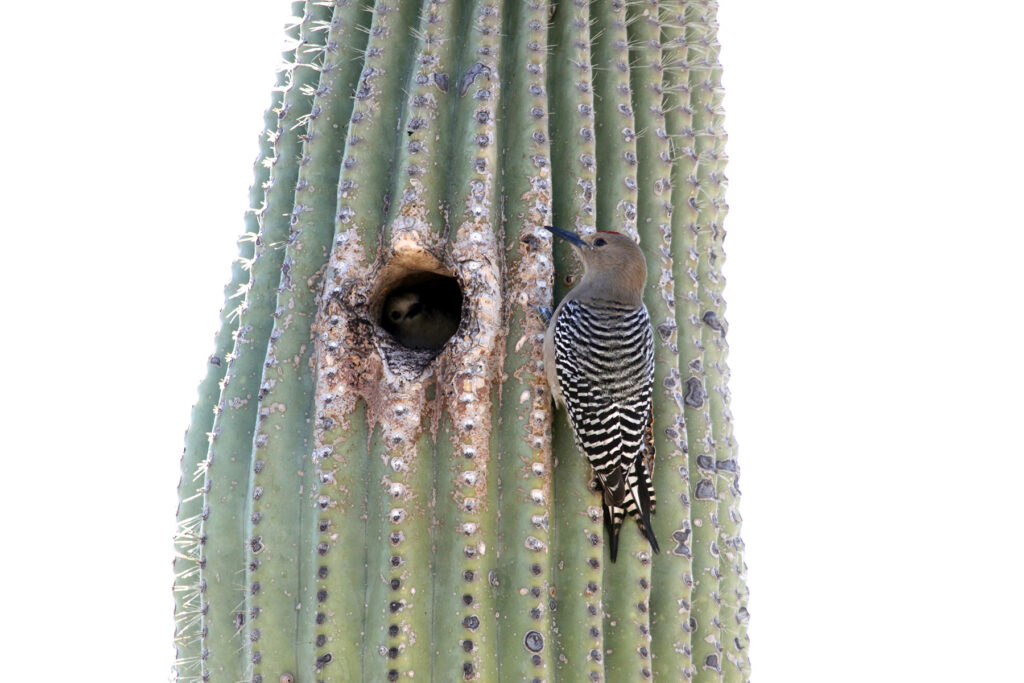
(422,310)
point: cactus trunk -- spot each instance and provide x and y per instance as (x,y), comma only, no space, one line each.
(366,511)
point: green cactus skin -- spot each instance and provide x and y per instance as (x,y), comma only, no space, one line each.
(187,607)
(357,460)
(663,248)
(465,625)
(187,611)
(229,462)
(523,555)
(427,115)
(706,489)
(373,513)
(280,562)
(626,585)
(578,534)
(188,600)
(732,569)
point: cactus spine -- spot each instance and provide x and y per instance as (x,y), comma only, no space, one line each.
(363,511)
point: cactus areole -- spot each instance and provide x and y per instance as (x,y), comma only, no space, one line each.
(376,485)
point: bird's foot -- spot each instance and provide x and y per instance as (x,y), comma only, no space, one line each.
(543,311)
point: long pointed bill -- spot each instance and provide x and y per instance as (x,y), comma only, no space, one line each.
(570,237)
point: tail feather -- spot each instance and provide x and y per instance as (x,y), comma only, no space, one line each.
(647,464)
(641,501)
(637,504)
(613,517)
(633,497)
(646,505)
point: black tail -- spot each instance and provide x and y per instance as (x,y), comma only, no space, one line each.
(640,501)
(613,522)
(636,499)
(644,518)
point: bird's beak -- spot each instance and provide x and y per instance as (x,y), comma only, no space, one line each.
(570,237)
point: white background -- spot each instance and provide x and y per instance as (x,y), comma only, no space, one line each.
(875,248)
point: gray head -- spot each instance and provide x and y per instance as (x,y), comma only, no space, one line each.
(614,268)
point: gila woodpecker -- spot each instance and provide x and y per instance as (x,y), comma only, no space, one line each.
(599,361)
(419,320)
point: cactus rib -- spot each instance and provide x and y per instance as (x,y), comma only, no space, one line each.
(670,589)
(525,628)
(222,572)
(280,560)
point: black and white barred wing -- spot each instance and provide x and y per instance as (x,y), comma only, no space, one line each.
(605,366)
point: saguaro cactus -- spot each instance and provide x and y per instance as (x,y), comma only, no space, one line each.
(355,509)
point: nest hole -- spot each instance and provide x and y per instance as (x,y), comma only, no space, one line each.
(422,310)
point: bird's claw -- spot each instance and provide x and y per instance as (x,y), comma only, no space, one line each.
(543,311)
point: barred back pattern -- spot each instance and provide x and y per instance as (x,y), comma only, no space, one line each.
(604,358)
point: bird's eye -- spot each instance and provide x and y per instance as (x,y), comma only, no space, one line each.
(395,315)
(599,242)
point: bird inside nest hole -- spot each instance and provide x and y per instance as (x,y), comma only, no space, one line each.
(423,310)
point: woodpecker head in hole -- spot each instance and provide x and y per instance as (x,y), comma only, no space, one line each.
(423,317)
